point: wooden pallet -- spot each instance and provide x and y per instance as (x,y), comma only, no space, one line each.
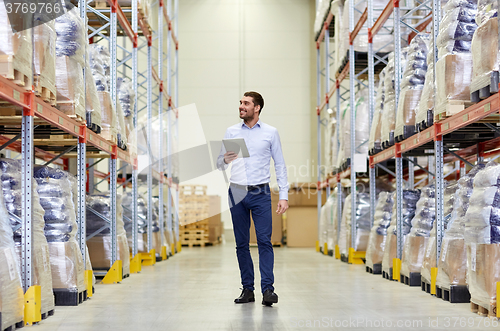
(200,225)
(491,311)
(46,93)
(188,190)
(77,118)
(15,326)
(451,108)
(8,71)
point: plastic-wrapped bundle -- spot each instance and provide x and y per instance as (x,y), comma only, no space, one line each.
(430,248)
(12,193)
(337,10)
(485,57)
(92,104)
(482,220)
(325,221)
(331,142)
(11,291)
(388,124)
(99,60)
(16,49)
(454,67)
(362,224)
(362,129)
(412,85)
(100,246)
(376,241)
(120,128)
(414,247)
(383,43)
(375,145)
(126,96)
(44,57)
(410,199)
(142,216)
(452,263)
(70,51)
(108,116)
(58,195)
(426,102)
(165,234)
(322,10)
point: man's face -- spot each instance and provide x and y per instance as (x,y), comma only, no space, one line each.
(248,110)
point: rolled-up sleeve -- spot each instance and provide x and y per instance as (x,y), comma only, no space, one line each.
(279,166)
(221,165)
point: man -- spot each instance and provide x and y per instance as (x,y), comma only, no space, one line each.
(249,192)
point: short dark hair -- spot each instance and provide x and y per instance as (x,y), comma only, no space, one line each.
(257,99)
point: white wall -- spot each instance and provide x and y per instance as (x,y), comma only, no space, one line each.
(228,47)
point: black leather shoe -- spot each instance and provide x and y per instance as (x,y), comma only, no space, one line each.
(269,297)
(245,297)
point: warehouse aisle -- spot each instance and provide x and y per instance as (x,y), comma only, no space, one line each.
(195,290)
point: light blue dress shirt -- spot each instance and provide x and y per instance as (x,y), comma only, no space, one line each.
(263,142)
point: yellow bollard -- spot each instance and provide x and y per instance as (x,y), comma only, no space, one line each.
(325,249)
(149,258)
(172,249)
(33,305)
(337,252)
(434,274)
(163,253)
(396,269)
(115,273)
(135,264)
(317,246)
(88,283)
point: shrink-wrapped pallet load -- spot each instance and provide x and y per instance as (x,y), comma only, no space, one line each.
(12,195)
(100,245)
(142,224)
(429,260)
(322,9)
(378,232)
(454,65)
(325,222)
(11,291)
(58,197)
(16,49)
(452,264)
(99,60)
(375,144)
(409,205)
(485,56)
(482,237)
(126,97)
(362,224)
(44,58)
(337,10)
(92,104)
(362,129)
(421,226)
(411,86)
(425,109)
(166,233)
(70,61)
(388,121)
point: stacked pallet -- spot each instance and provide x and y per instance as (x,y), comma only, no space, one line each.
(194,234)
(193,204)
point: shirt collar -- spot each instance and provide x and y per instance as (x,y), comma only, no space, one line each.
(259,123)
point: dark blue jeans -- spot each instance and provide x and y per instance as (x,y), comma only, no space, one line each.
(258,202)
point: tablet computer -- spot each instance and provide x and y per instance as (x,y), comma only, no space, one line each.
(237,146)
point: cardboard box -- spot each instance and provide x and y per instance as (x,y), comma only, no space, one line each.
(413,255)
(452,264)
(305,194)
(277,234)
(377,252)
(66,264)
(100,252)
(302,226)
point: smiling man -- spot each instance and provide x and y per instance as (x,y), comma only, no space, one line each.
(249,192)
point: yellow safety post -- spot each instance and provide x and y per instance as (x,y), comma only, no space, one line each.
(149,258)
(355,257)
(163,253)
(337,252)
(135,264)
(434,274)
(396,269)
(115,273)
(88,282)
(317,246)
(179,247)
(33,305)
(172,249)
(325,249)
(498,293)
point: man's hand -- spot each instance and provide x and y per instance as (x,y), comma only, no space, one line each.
(230,157)
(282,207)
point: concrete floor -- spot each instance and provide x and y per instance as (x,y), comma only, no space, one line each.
(195,290)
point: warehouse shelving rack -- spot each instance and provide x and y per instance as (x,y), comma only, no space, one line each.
(89,145)
(435,138)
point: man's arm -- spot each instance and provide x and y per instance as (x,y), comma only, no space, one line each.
(281,173)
